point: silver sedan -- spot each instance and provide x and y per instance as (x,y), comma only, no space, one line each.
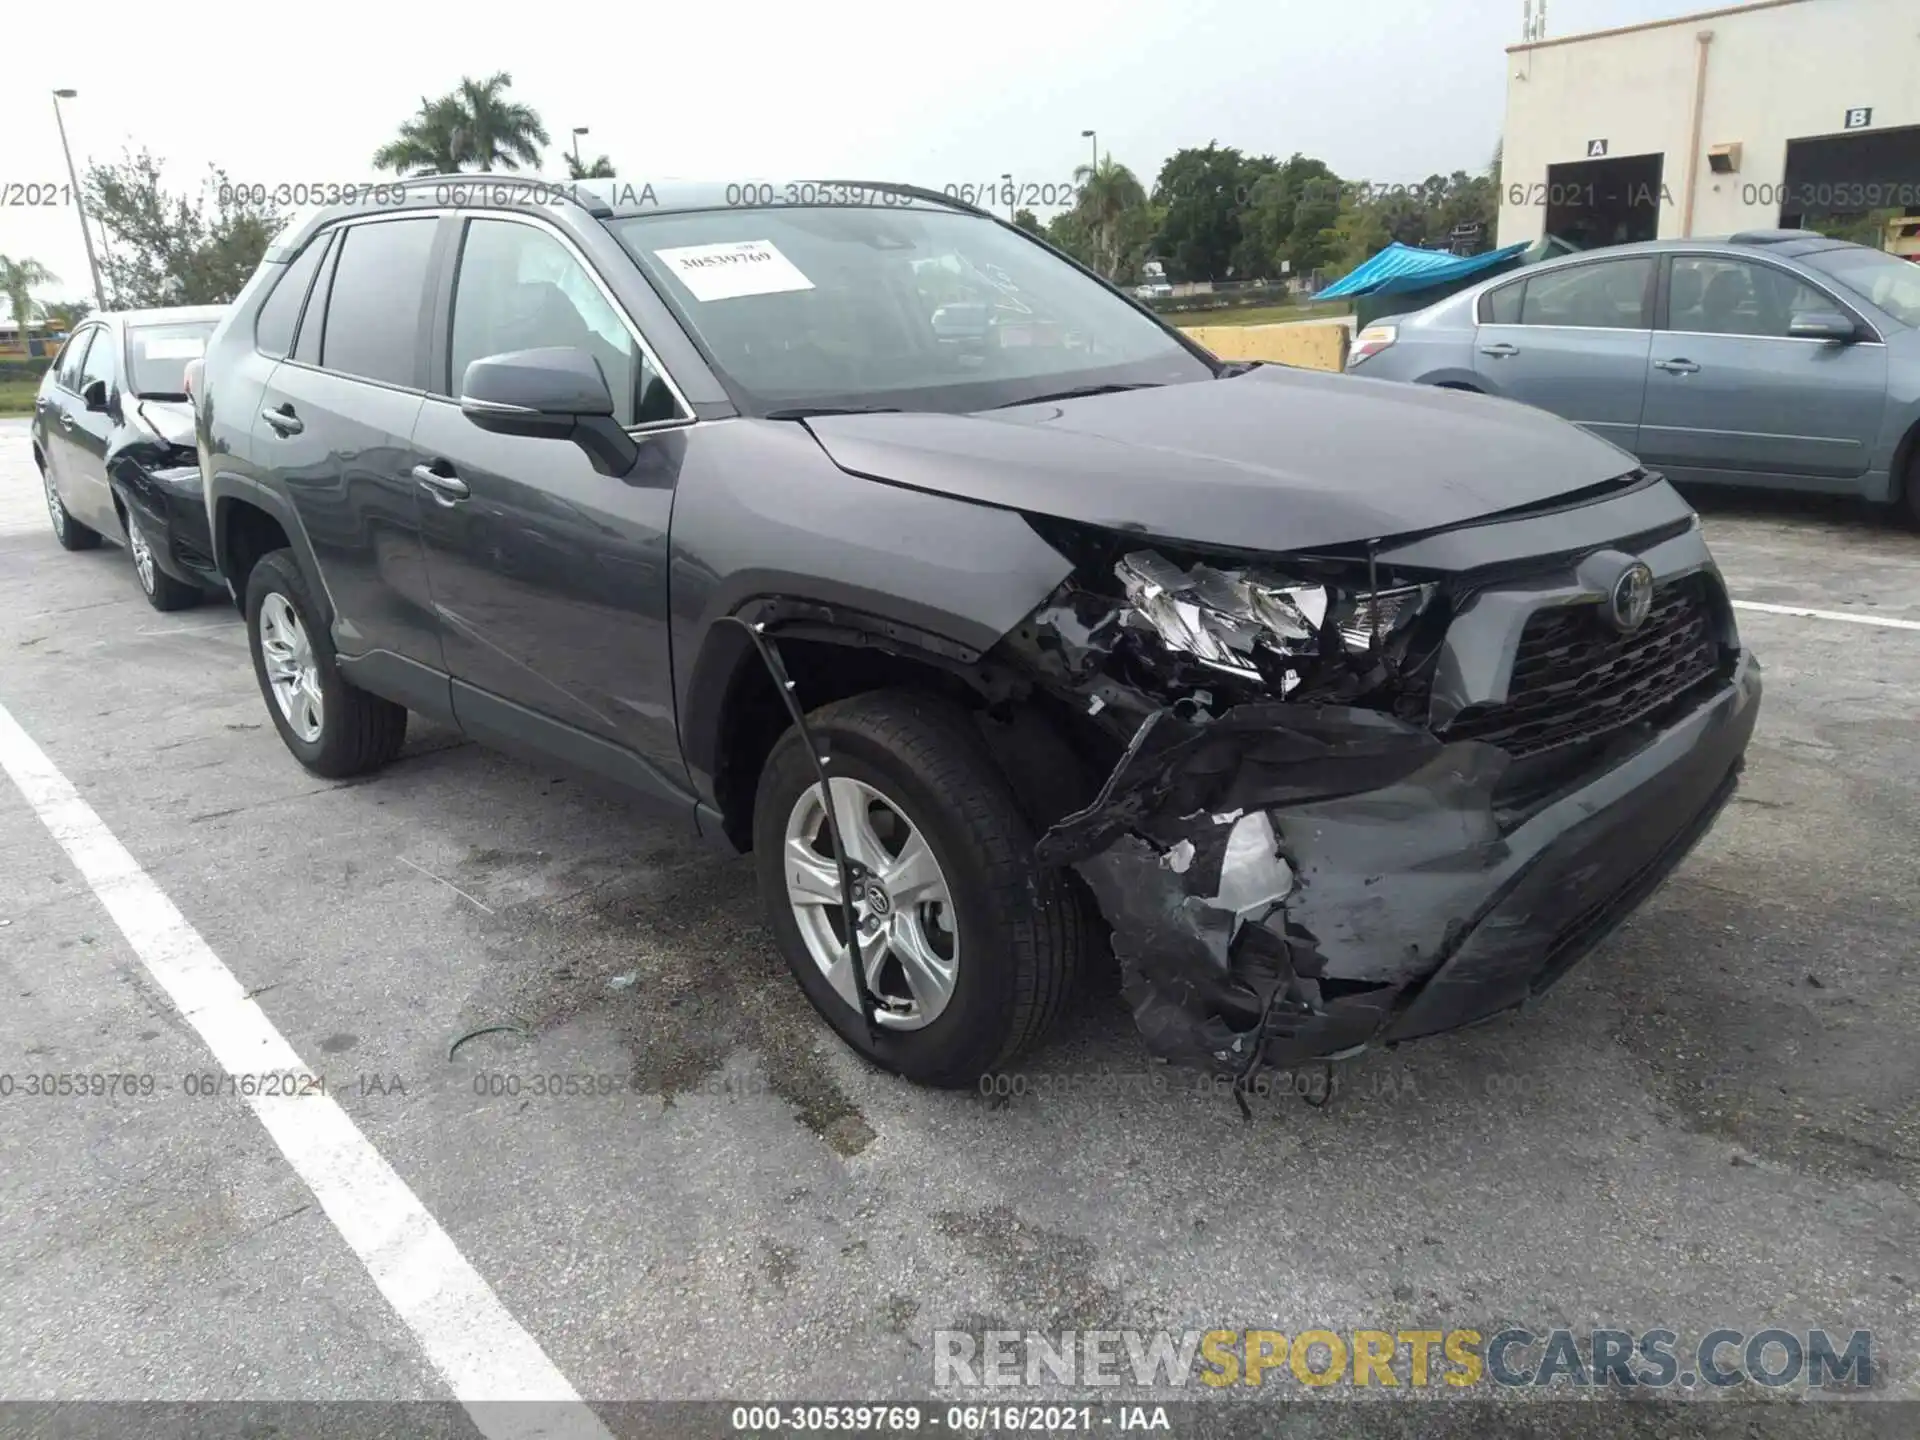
(1776,358)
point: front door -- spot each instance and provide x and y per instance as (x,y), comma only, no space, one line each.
(1729,391)
(550,578)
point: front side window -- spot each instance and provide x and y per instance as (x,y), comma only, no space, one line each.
(905,307)
(519,288)
(157,357)
(1880,279)
(99,363)
(1609,295)
(67,372)
(373,311)
(1719,295)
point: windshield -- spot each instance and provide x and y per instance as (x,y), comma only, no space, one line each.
(850,306)
(157,356)
(1880,279)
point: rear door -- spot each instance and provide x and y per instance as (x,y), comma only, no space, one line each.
(549,577)
(57,403)
(1573,339)
(1730,391)
(335,427)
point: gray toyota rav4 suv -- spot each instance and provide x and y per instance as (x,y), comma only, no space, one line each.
(1352,712)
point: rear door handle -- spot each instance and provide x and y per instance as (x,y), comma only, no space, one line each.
(66,420)
(284,420)
(1677,367)
(444,488)
(1500,351)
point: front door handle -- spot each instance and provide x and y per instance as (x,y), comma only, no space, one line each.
(1677,367)
(284,420)
(444,488)
(66,420)
(1500,351)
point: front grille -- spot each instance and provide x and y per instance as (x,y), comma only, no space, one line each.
(1576,679)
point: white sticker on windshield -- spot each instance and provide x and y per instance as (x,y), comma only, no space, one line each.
(174,347)
(741,267)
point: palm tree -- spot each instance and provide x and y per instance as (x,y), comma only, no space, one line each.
(17,281)
(1109,193)
(473,127)
(599,168)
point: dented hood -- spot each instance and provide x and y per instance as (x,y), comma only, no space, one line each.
(171,420)
(1273,459)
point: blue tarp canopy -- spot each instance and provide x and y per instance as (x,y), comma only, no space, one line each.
(1400,268)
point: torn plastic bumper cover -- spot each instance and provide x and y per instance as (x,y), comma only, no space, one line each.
(1292,881)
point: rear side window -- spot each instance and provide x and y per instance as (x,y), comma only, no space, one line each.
(373,309)
(1610,295)
(1502,306)
(273,327)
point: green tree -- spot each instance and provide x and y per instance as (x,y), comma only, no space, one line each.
(18,279)
(598,168)
(472,127)
(1027,220)
(1068,231)
(64,315)
(176,248)
(1204,193)
(1110,204)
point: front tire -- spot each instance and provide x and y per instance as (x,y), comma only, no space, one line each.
(332,727)
(163,592)
(971,947)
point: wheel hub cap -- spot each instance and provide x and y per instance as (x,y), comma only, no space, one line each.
(142,554)
(292,673)
(903,910)
(54,507)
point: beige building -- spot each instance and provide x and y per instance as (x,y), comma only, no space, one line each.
(1782,113)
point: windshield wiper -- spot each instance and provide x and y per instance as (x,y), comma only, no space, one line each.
(1078,392)
(804,412)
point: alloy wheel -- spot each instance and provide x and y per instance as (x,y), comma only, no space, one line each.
(142,554)
(904,924)
(54,507)
(292,672)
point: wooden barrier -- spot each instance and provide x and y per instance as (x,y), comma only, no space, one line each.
(1310,345)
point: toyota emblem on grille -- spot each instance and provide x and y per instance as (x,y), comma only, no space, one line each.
(1631,598)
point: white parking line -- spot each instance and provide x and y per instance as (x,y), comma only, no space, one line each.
(493,1366)
(1847,615)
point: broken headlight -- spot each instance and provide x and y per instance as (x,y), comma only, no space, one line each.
(1256,622)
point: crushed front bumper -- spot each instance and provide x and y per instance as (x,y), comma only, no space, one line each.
(1294,883)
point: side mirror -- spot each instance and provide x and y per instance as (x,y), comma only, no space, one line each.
(558,394)
(1828,325)
(95,394)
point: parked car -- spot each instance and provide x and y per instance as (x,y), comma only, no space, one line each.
(113,439)
(1775,358)
(1359,711)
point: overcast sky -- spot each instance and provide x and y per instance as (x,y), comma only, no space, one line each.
(1386,90)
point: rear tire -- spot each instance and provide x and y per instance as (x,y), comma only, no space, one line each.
(349,731)
(1910,490)
(1018,929)
(71,534)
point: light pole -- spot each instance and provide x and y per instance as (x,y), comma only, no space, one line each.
(578,131)
(1089,135)
(1013,193)
(99,294)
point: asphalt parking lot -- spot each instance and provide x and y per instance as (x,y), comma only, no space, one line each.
(1714,1121)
